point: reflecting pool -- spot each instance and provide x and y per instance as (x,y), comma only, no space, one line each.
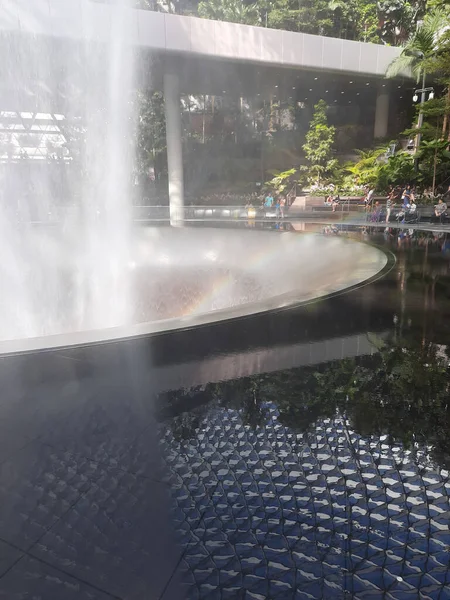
(313,462)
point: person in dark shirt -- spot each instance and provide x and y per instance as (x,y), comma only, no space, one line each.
(406,196)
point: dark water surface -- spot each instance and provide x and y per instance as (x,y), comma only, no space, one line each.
(310,455)
(306,452)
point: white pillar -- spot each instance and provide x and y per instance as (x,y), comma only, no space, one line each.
(381,114)
(174,148)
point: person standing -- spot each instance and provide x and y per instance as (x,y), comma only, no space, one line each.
(282,206)
(369,198)
(376,212)
(268,203)
(406,196)
(389,204)
(277,208)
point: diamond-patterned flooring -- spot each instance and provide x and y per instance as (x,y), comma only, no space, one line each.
(83,513)
(87,510)
(322,515)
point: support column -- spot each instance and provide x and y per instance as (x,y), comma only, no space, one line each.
(381,114)
(174,148)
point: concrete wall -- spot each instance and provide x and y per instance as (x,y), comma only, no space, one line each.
(81,19)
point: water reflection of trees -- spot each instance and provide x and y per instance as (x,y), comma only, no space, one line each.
(401,391)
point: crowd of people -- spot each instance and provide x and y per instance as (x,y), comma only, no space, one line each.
(278,204)
(404,198)
(271,201)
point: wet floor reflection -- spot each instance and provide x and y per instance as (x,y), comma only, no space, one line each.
(328,478)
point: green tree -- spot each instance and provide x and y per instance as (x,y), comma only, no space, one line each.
(438,64)
(319,145)
(421,45)
(355,20)
(398,170)
(151,132)
(282,180)
(398,19)
(233,11)
(417,57)
(365,171)
(308,16)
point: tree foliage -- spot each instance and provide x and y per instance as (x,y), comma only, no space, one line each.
(281,180)
(233,11)
(319,144)
(401,391)
(151,132)
(385,21)
(421,45)
(365,171)
(398,19)
(309,16)
(427,53)
(355,20)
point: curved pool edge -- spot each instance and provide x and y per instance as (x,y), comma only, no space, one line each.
(96,337)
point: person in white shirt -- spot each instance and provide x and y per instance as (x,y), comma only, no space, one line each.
(440,208)
(369,197)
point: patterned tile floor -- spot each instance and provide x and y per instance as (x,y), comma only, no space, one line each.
(83,514)
(260,512)
(269,513)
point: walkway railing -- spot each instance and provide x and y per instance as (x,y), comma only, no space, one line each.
(155,213)
(164,214)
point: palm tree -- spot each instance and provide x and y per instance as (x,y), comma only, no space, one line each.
(421,46)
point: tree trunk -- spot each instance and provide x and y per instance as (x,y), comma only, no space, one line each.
(445,123)
(203,119)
